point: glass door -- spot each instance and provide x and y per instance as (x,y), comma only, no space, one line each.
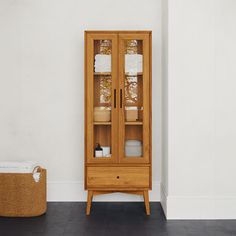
(134,98)
(102,114)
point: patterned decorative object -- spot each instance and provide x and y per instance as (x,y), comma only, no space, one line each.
(105,47)
(105,89)
(131,89)
(132,46)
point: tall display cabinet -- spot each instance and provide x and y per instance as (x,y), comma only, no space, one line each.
(118,113)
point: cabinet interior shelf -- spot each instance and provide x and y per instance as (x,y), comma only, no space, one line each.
(102,158)
(134,74)
(109,74)
(102,123)
(126,123)
(134,123)
(102,73)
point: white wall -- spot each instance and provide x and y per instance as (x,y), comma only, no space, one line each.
(41,83)
(165,106)
(202,109)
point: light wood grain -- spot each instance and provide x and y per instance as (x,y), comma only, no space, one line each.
(118,32)
(134,123)
(102,135)
(134,132)
(109,192)
(118,177)
(146,201)
(102,123)
(103,73)
(150,108)
(89,202)
(97,135)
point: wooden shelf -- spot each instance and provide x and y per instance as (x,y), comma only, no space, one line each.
(134,123)
(102,158)
(109,74)
(135,74)
(102,123)
(103,73)
(134,157)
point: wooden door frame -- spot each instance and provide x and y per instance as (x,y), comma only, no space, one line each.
(145,37)
(89,88)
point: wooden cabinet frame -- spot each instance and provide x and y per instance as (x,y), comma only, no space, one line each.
(118,173)
(146,113)
(89,86)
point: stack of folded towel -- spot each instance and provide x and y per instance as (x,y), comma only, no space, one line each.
(20,167)
(133,63)
(102,63)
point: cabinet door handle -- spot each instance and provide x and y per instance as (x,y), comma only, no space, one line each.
(114,98)
(121,98)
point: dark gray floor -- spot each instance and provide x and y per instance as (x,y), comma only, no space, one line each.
(110,219)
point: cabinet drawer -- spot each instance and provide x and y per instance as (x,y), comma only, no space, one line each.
(115,177)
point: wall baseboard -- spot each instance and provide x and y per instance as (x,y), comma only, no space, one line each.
(63,191)
(163,196)
(197,208)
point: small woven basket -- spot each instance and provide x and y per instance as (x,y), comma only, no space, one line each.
(21,196)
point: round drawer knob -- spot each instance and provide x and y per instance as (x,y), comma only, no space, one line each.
(117,177)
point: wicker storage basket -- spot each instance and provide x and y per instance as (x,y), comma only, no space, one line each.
(21,196)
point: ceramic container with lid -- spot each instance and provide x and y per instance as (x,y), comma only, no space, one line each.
(133,148)
(131,113)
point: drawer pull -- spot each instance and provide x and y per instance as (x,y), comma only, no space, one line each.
(117,177)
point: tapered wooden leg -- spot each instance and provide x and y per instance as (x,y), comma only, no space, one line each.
(146,201)
(89,202)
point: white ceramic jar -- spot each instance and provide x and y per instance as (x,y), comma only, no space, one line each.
(133,148)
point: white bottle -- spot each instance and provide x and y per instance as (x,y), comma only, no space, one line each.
(98,151)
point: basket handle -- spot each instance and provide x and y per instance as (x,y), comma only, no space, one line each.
(37,168)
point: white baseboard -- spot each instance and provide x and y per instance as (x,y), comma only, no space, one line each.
(200,207)
(74,192)
(163,196)
(205,207)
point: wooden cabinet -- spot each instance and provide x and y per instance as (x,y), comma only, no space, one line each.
(118,113)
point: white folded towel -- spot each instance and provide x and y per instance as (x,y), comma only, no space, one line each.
(102,69)
(20,167)
(133,63)
(102,63)
(102,57)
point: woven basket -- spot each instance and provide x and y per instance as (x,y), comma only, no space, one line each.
(21,196)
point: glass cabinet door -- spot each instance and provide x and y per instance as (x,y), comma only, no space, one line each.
(101,98)
(134,98)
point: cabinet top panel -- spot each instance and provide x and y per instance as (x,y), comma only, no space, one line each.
(118,31)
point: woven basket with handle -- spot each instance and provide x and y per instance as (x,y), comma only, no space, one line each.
(21,195)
